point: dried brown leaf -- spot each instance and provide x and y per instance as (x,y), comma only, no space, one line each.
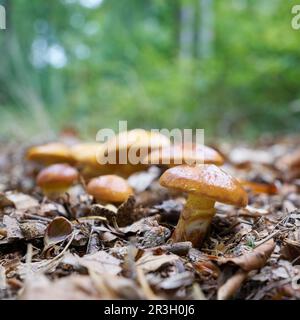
(253,260)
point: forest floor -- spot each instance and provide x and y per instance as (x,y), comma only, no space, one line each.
(72,248)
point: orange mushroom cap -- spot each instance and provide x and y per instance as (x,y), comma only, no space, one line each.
(109,188)
(190,153)
(86,153)
(57,176)
(50,153)
(206,180)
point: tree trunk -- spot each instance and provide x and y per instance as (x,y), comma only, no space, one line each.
(205,29)
(186,34)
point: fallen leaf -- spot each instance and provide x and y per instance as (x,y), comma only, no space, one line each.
(32,230)
(20,201)
(100,262)
(13,230)
(182,279)
(140,181)
(149,262)
(232,285)
(290,250)
(253,260)
(75,287)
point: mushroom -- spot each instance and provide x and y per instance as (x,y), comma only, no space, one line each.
(188,153)
(85,155)
(109,189)
(56,179)
(205,184)
(132,144)
(50,153)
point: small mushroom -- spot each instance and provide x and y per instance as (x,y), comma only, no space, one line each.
(205,184)
(50,153)
(188,153)
(56,179)
(109,189)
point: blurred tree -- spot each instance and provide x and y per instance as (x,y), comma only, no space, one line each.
(89,63)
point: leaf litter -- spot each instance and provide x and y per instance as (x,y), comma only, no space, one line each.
(74,248)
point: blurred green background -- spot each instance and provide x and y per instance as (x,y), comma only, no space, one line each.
(231,67)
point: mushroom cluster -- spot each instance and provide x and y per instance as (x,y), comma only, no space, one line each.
(188,168)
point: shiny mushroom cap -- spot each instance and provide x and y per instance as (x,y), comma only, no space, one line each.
(109,188)
(86,153)
(136,139)
(190,153)
(57,176)
(205,180)
(50,153)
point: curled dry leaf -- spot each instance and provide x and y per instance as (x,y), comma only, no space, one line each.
(290,250)
(253,260)
(58,230)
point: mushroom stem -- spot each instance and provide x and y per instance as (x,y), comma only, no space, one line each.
(195,220)
(53,193)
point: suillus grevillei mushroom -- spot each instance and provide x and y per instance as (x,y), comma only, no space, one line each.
(56,179)
(127,149)
(187,153)
(50,153)
(109,189)
(205,184)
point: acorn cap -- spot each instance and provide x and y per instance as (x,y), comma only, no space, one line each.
(189,153)
(205,180)
(50,153)
(109,188)
(57,176)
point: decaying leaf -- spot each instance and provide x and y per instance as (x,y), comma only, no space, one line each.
(32,230)
(253,260)
(100,262)
(13,230)
(232,285)
(140,181)
(149,262)
(76,287)
(290,250)
(20,201)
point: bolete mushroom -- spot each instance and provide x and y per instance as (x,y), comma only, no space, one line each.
(85,155)
(50,153)
(56,179)
(188,153)
(125,151)
(109,189)
(205,184)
